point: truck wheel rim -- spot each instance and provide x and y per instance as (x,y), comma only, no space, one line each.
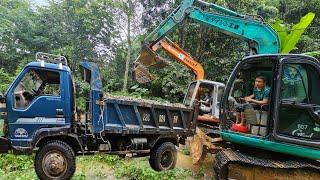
(54,164)
(166,159)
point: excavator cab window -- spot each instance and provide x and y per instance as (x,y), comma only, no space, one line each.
(249,98)
(208,94)
(191,94)
(299,102)
(206,100)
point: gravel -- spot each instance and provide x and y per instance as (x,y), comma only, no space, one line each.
(144,101)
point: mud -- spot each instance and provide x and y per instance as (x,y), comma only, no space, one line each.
(203,171)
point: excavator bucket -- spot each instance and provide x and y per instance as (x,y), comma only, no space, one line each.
(141,74)
(201,144)
(147,59)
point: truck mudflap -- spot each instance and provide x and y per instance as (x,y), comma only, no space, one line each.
(227,157)
(4,145)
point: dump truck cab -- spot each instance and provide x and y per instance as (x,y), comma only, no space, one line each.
(39,101)
(289,122)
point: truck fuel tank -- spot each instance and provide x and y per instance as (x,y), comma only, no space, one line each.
(139,143)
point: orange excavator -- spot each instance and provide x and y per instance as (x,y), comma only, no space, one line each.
(181,56)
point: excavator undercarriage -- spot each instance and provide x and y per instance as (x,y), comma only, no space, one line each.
(236,164)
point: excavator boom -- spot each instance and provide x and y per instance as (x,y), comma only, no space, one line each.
(264,39)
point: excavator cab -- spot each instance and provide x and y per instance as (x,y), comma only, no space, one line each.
(207,94)
(290,120)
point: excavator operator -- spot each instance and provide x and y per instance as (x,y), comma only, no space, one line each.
(260,97)
(205,103)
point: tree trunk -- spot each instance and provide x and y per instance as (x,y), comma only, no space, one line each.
(200,42)
(181,36)
(125,79)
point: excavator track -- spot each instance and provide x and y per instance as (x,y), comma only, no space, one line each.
(232,164)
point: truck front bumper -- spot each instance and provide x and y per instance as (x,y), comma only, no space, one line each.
(4,145)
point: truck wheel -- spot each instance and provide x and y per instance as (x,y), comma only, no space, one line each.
(55,160)
(163,157)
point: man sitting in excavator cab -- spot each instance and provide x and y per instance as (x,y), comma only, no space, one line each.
(259,97)
(205,102)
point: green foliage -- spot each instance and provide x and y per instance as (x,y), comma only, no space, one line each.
(313,53)
(100,166)
(139,169)
(185,151)
(289,39)
(5,80)
(16,167)
(138,91)
(82,90)
(94,30)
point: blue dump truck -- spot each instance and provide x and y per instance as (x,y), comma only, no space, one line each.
(40,114)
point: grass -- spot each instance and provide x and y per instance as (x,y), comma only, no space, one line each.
(101,166)
(1,127)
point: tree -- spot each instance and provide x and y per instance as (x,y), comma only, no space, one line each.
(18,33)
(289,38)
(128,21)
(80,29)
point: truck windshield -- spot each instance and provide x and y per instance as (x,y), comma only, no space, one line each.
(30,82)
(35,83)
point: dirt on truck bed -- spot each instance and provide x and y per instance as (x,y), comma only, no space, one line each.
(144,101)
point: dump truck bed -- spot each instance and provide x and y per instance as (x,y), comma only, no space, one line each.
(126,115)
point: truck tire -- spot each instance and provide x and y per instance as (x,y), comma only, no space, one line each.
(54,161)
(163,157)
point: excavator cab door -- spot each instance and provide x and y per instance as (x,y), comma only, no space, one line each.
(297,111)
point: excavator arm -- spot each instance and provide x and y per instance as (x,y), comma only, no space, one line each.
(181,56)
(261,38)
(149,58)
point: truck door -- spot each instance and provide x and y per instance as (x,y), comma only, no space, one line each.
(298,104)
(34,101)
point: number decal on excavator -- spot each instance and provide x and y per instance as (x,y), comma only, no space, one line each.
(146,117)
(175,119)
(221,22)
(162,118)
(300,131)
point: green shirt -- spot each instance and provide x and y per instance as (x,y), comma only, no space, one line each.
(261,94)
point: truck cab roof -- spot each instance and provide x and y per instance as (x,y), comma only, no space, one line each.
(47,65)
